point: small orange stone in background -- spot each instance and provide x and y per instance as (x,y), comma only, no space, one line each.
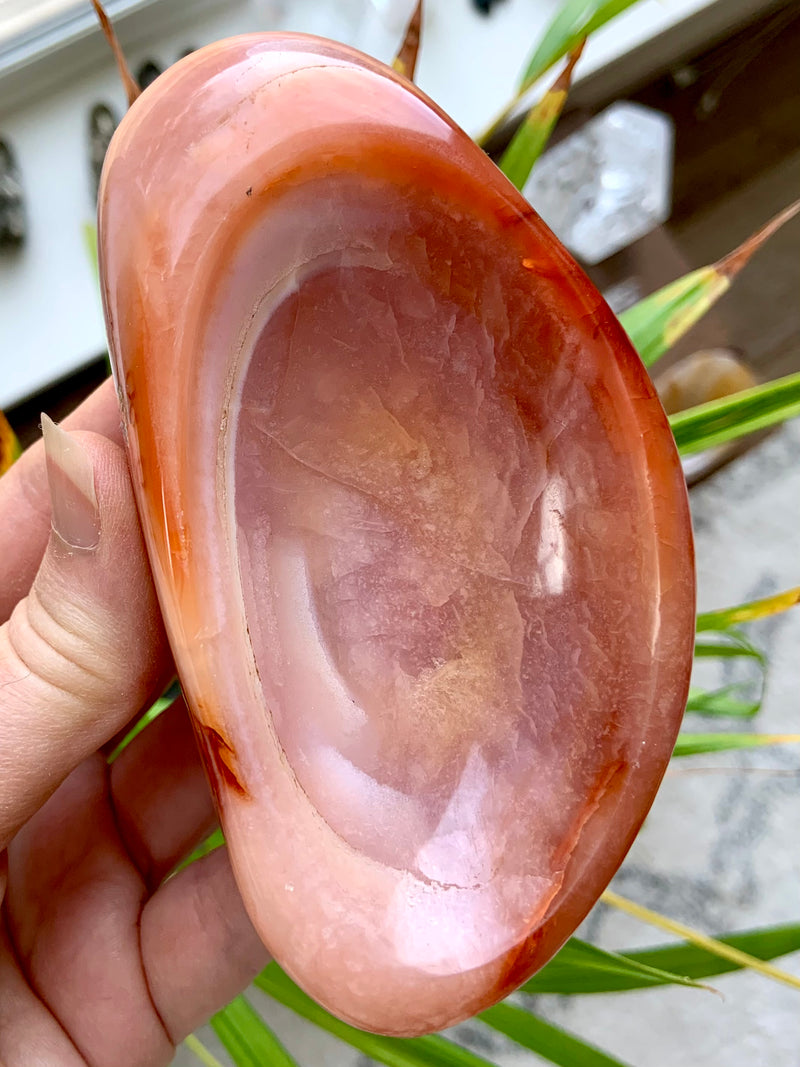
(709,374)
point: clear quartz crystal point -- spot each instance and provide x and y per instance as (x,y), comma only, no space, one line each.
(607,185)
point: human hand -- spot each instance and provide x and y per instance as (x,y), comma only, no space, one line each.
(102,961)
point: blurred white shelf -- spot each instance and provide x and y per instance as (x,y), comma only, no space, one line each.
(50,316)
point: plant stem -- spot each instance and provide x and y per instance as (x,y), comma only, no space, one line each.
(195,1045)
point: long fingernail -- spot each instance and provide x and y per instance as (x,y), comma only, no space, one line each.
(75,514)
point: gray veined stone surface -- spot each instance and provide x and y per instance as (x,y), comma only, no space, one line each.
(720,849)
(608,184)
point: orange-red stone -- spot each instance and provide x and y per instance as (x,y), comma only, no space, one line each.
(416,518)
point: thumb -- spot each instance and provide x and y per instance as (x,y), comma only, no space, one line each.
(85,650)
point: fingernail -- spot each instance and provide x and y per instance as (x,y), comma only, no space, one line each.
(75,514)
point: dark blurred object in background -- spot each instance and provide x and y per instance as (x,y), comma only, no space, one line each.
(12,201)
(102,123)
(485,6)
(147,73)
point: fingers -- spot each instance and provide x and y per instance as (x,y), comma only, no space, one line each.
(161,796)
(25,499)
(198,945)
(73,903)
(153,973)
(85,650)
(28,1032)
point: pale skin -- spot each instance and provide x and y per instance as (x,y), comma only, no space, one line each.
(102,962)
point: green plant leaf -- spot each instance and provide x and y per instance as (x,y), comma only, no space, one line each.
(724,618)
(580,968)
(196,1046)
(583,968)
(248,1039)
(691,744)
(661,319)
(534,131)
(431,1051)
(696,937)
(697,962)
(216,839)
(720,421)
(90,242)
(721,703)
(727,700)
(575,19)
(735,700)
(551,1042)
(149,716)
(727,645)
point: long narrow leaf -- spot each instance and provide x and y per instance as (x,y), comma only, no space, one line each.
(575,20)
(696,937)
(405,62)
(215,840)
(90,244)
(697,962)
(9,445)
(432,1051)
(529,141)
(204,1055)
(248,1039)
(720,703)
(149,716)
(728,644)
(724,618)
(691,744)
(551,1042)
(722,650)
(573,971)
(583,968)
(129,83)
(720,421)
(661,319)
(727,700)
